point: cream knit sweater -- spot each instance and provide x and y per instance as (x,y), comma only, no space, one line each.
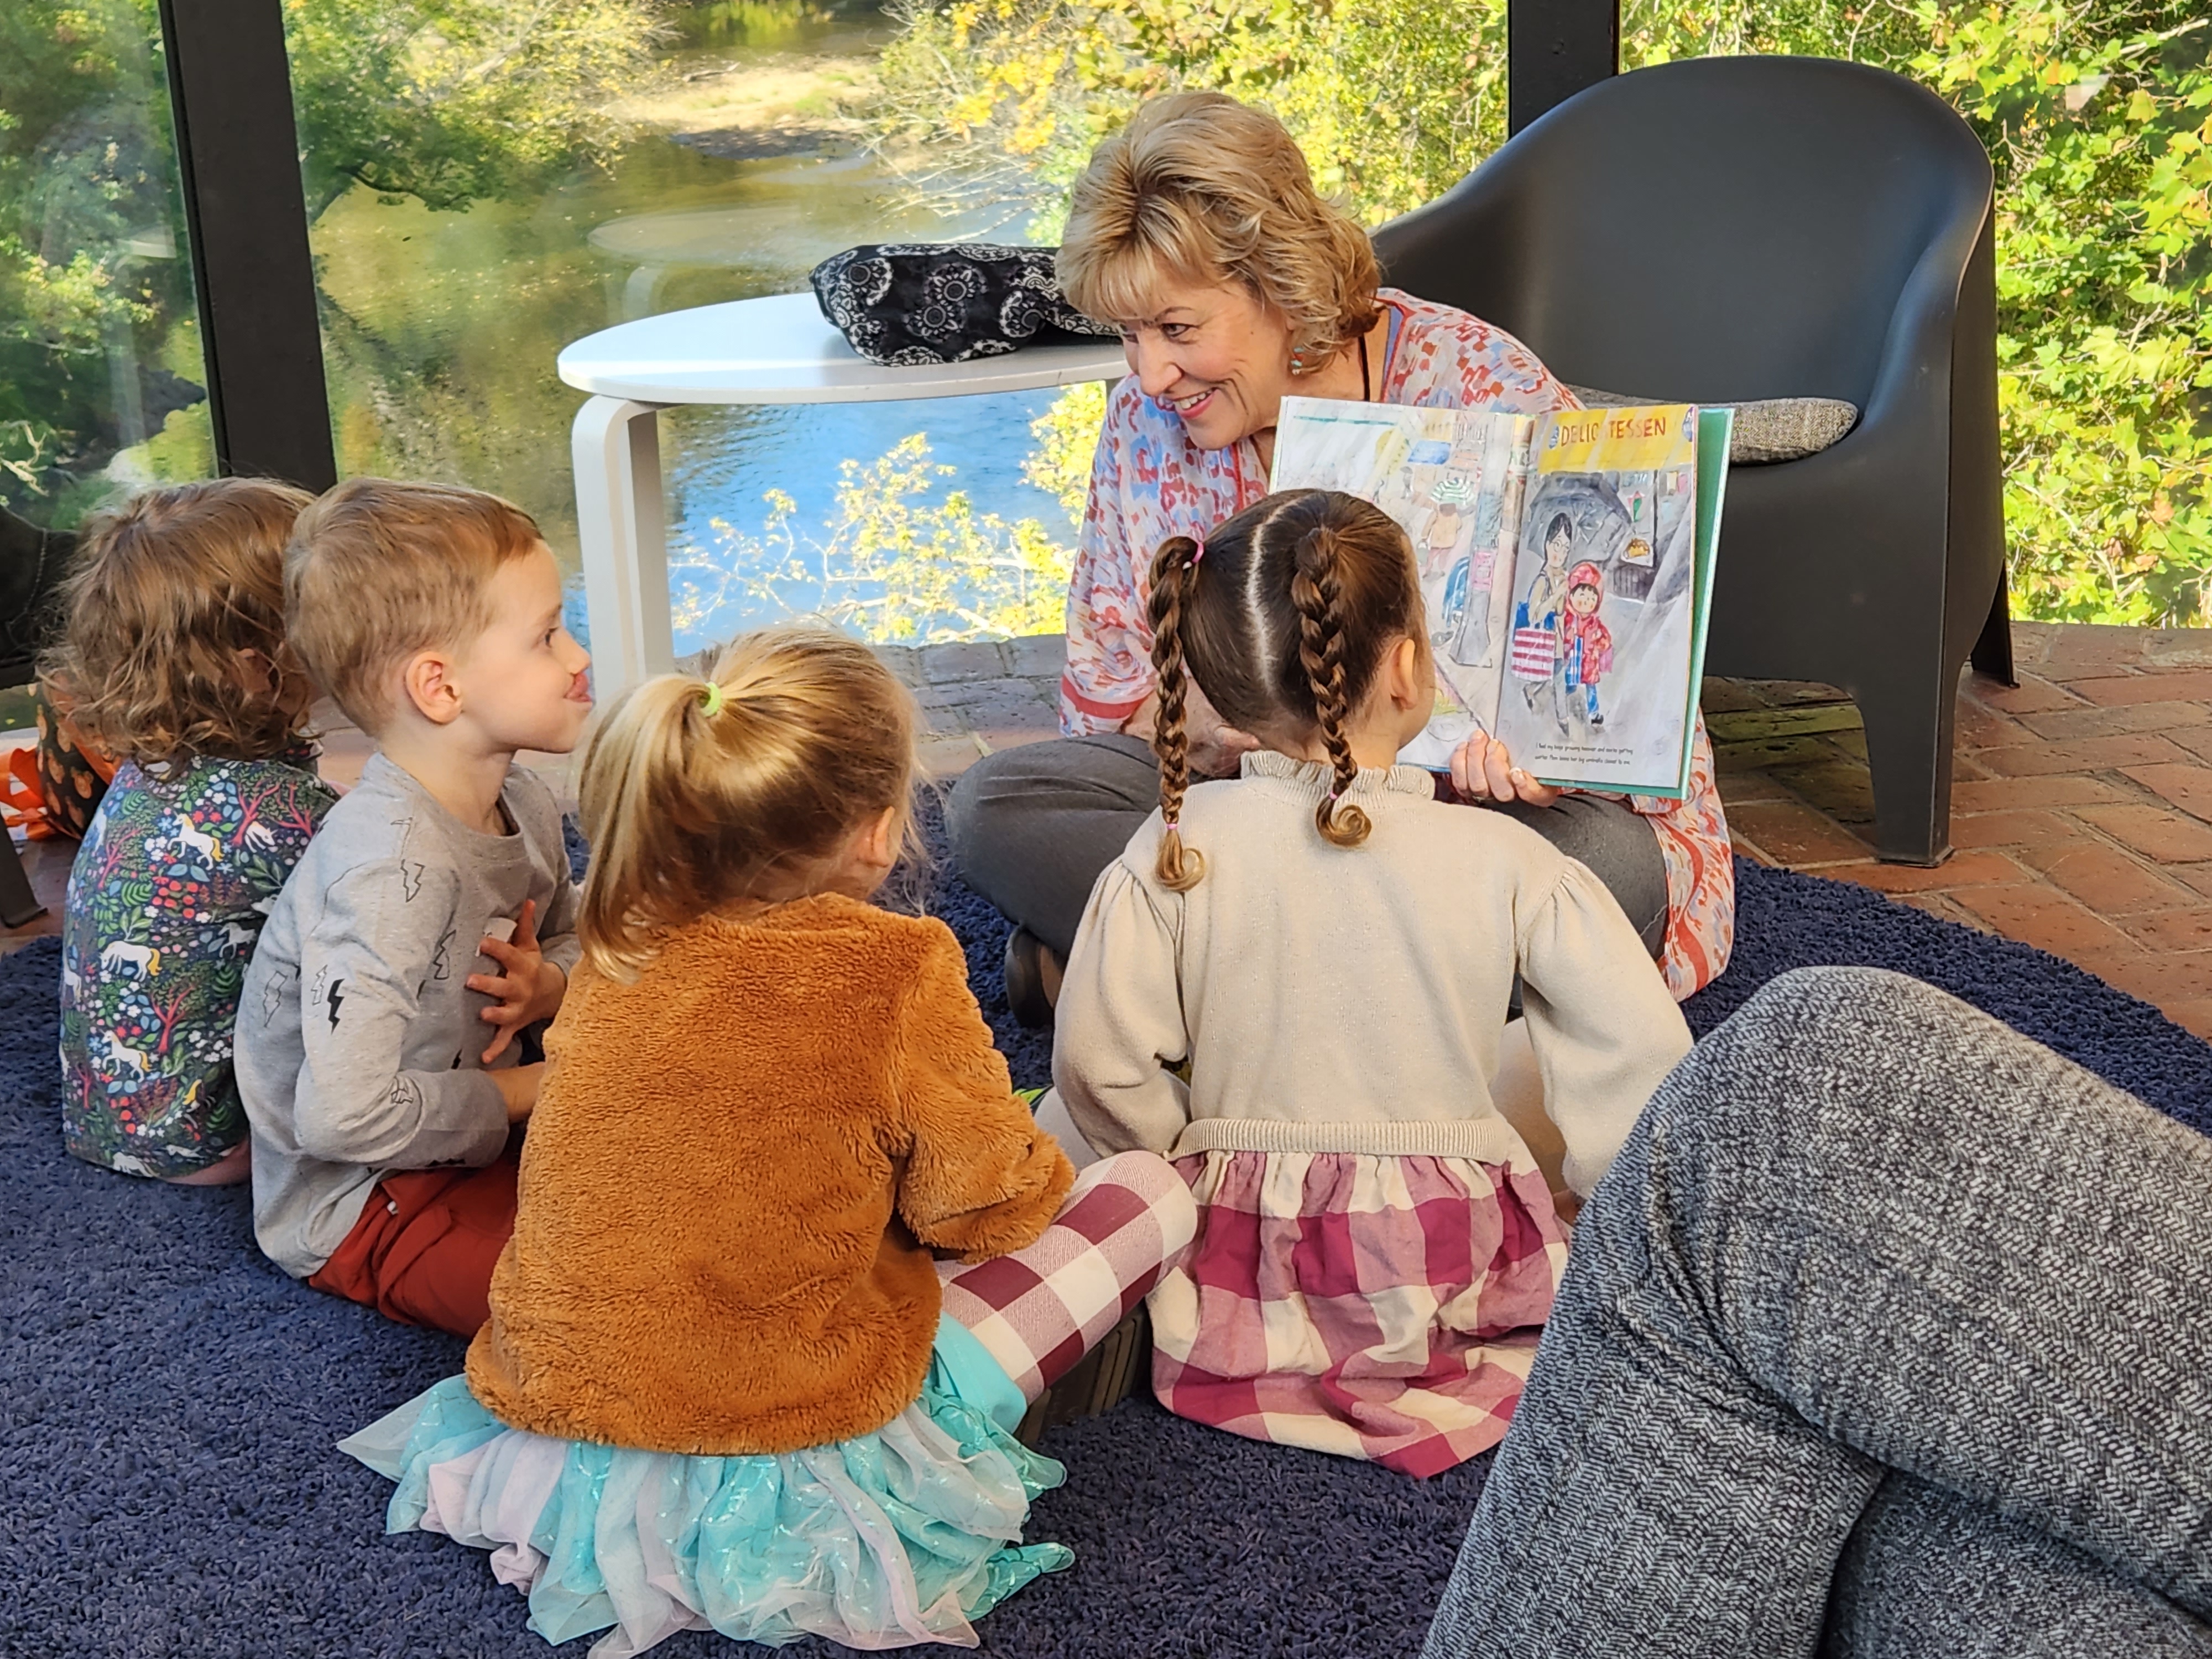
(1335,1000)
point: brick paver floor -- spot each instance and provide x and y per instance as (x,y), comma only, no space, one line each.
(2080,803)
(2081,808)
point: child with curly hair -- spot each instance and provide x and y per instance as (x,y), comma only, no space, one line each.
(174,659)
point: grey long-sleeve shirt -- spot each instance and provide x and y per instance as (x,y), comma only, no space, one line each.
(360,1047)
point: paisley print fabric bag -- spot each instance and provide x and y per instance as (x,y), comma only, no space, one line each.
(909,303)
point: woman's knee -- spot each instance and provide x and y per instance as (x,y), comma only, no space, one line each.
(1802,1038)
(1841,1075)
(972,805)
(1008,798)
(1616,844)
(1030,828)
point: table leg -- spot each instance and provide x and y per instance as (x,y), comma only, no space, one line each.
(621,524)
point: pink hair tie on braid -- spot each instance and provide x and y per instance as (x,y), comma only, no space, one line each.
(1198,551)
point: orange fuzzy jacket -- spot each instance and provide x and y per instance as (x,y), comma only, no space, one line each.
(730,1176)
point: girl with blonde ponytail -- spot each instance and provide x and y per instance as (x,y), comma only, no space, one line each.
(768,1105)
(1294,984)
(788,773)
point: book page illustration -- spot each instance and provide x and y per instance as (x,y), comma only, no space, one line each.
(1453,480)
(1605,600)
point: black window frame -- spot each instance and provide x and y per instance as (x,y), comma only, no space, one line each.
(245,219)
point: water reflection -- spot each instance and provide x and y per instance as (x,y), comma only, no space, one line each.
(441,328)
(101,384)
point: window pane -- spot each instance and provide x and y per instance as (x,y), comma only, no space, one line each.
(101,386)
(483,190)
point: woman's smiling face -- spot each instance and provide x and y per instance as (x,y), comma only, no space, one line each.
(1215,357)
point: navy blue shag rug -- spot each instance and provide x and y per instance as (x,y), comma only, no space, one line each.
(169,1401)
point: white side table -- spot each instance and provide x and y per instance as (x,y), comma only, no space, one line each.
(774,350)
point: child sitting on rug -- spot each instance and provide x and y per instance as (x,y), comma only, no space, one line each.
(724,1383)
(381,1105)
(172,659)
(1329,951)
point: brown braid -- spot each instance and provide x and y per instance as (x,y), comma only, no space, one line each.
(1318,592)
(1174,576)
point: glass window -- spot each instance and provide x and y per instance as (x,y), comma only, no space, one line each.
(101,385)
(484,187)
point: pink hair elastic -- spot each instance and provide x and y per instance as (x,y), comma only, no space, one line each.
(1197,552)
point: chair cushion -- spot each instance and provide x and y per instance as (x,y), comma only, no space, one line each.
(1766,428)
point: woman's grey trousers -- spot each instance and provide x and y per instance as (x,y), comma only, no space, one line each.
(1889,1333)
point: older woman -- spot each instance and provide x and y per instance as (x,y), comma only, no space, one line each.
(1198,230)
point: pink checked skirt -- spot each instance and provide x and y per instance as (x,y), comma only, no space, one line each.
(1383,1307)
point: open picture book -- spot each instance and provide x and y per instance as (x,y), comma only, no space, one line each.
(1567,563)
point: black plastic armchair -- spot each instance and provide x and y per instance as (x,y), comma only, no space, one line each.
(1730,228)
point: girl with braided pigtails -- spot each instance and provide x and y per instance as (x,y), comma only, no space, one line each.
(1294,983)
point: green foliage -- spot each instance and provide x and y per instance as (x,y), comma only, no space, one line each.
(454,100)
(750,25)
(893,566)
(1025,89)
(2099,116)
(448,101)
(2093,110)
(86,267)
(26,449)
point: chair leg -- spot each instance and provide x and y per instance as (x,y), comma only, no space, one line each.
(1908,735)
(18,904)
(1992,654)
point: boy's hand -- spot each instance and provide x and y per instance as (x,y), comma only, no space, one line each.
(1482,769)
(518,1087)
(528,989)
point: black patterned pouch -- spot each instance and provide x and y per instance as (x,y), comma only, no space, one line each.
(909,303)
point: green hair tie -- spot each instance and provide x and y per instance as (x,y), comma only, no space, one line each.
(713,705)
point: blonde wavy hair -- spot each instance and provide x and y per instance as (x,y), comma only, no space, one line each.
(1200,188)
(169,591)
(380,568)
(699,794)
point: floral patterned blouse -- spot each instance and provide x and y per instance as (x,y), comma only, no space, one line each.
(165,900)
(1149,482)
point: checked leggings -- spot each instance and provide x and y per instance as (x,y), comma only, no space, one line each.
(1039,1311)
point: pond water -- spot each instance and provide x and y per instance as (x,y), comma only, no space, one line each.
(441,328)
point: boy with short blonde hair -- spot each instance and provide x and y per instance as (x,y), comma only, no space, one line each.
(380,1107)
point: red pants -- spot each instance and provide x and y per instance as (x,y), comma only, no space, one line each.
(422,1251)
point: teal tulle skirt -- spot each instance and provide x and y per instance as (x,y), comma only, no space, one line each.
(901,1536)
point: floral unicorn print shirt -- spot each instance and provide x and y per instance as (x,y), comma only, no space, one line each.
(166,899)
(1149,482)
